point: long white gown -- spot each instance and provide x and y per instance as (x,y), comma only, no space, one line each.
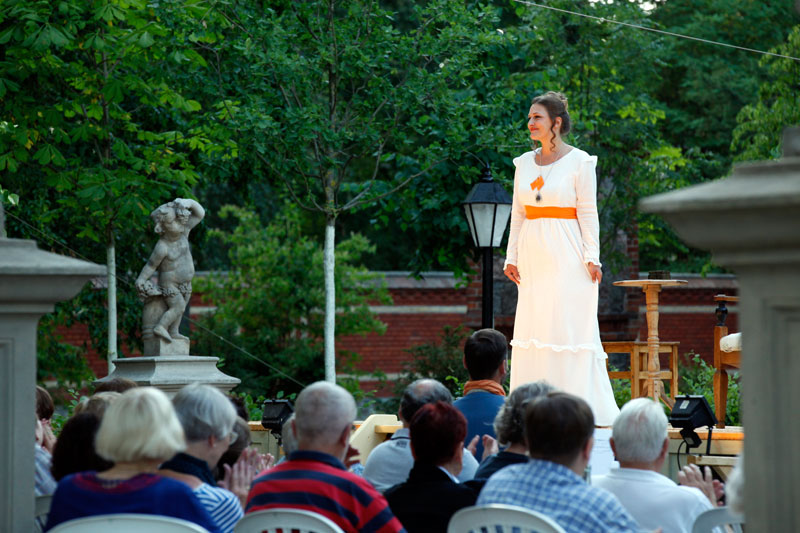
(556,333)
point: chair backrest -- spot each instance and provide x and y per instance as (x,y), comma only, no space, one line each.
(273,520)
(720,516)
(499,518)
(41,511)
(128,523)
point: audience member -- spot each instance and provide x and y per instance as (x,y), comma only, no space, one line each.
(510,428)
(43,482)
(391,461)
(237,447)
(288,440)
(139,432)
(314,477)
(734,488)
(486,361)
(119,385)
(208,418)
(432,494)
(640,442)
(44,412)
(240,406)
(97,403)
(559,429)
(75,450)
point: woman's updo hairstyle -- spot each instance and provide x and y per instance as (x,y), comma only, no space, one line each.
(556,105)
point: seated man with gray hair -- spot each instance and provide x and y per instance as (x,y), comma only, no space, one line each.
(640,442)
(314,477)
(390,462)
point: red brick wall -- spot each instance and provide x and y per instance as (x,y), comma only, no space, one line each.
(422,308)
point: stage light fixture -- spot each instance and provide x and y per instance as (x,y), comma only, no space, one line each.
(689,413)
(275,414)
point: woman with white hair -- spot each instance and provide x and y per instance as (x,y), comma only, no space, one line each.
(208,418)
(139,431)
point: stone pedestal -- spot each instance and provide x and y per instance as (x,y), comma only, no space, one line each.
(156,346)
(171,373)
(31,281)
(751,223)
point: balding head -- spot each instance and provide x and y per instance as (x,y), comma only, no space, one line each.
(322,412)
(419,393)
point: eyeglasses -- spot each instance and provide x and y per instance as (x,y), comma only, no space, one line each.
(232,436)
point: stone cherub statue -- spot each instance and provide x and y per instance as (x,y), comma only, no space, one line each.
(172,259)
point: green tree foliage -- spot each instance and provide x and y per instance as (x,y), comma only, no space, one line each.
(614,114)
(759,125)
(343,107)
(88,107)
(705,86)
(270,301)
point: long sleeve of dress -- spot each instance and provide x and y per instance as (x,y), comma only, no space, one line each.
(517,217)
(586,192)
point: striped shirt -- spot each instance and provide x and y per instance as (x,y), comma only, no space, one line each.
(318,482)
(556,491)
(221,504)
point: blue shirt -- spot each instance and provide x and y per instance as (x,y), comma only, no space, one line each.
(556,491)
(479,408)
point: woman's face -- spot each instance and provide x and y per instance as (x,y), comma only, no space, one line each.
(539,123)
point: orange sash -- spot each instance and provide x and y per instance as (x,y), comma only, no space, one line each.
(487,385)
(533,212)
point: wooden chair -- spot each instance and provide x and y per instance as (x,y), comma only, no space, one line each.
(723,361)
(128,523)
(721,516)
(499,518)
(282,520)
(637,352)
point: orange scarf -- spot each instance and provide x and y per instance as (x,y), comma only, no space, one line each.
(487,385)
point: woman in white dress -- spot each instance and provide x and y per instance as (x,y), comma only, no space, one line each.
(554,258)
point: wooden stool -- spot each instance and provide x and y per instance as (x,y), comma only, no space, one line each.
(639,364)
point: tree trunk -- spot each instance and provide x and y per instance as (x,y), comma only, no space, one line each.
(330,300)
(111,271)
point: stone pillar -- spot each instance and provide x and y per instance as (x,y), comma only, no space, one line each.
(751,223)
(31,281)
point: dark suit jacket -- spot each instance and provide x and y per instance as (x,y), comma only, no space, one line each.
(427,500)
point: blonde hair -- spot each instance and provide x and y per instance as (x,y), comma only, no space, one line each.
(141,424)
(97,403)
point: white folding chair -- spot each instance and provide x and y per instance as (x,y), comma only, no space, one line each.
(498,518)
(128,523)
(273,520)
(721,516)
(41,511)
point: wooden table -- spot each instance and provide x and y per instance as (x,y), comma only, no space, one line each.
(651,287)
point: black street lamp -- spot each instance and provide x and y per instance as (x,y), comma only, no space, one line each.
(488,208)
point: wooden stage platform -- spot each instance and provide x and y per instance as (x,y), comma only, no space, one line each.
(726,445)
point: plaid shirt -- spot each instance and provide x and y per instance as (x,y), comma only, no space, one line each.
(559,493)
(44,484)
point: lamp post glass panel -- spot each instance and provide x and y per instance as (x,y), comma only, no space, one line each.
(488,208)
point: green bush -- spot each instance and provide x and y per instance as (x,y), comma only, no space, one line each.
(697,377)
(442,361)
